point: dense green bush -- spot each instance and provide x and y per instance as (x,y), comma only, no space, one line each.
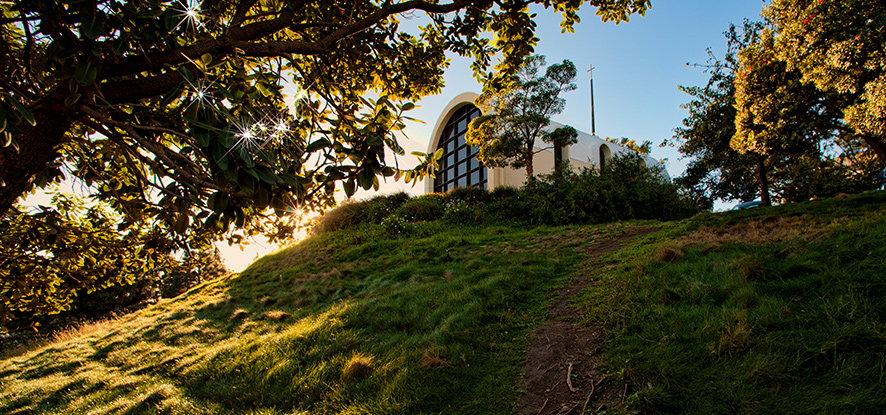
(467,195)
(351,213)
(624,189)
(422,208)
(460,213)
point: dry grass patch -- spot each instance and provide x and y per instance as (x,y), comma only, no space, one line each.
(757,232)
(431,358)
(750,268)
(359,367)
(668,254)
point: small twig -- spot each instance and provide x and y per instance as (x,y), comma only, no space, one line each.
(588,399)
(542,407)
(569,378)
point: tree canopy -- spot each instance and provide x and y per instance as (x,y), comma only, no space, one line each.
(516,117)
(756,129)
(192,119)
(838,46)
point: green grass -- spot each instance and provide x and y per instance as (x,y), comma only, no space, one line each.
(776,310)
(779,310)
(352,321)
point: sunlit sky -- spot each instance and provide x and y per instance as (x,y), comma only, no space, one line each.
(638,67)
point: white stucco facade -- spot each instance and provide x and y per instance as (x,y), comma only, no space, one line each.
(586,152)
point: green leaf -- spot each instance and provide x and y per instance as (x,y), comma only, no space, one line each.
(408,106)
(218,201)
(262,199)
(71,100)
(85,73)
(185,73)
(288,178)
(202,139)
(266,175)
(3,119)
(228,138)
(438,154)
(172,95)
(181,224)
(23,110)
(317,145)
(350,187)
(92,27)
(220,157)
(119,47)
(246,157)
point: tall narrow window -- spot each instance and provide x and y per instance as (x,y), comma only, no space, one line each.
(605,154)
(458,161)
(558,156)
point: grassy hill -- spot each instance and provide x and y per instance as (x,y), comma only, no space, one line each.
(776,310)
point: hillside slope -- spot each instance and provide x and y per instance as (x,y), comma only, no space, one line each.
(734,312)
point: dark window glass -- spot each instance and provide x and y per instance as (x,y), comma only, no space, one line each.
(458,167)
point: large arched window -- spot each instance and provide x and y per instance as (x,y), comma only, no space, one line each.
(458,167)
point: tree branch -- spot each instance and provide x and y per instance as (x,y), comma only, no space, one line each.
(159,154)
(247,39)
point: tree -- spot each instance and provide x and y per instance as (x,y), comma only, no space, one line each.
(769,138)
(515,117)
(838,47)
(715,170)
(173,113)
(777,114)
(631,144)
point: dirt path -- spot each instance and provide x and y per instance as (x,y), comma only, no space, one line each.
(560,374)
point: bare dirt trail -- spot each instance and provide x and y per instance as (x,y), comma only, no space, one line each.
(560,374)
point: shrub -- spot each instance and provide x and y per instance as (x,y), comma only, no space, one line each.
(506,206)
(459,213)
(471,195)
(396,225)
(422,208)
(351,213)
(379,207)
(346,214)
(624,189)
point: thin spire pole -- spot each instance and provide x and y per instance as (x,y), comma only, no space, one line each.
(593,123)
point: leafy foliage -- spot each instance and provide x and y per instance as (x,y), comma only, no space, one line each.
(515,116)
(193,120)
(755,129)
(625,189)
(48,256)
(838,47)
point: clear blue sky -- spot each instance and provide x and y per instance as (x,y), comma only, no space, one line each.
(638,67)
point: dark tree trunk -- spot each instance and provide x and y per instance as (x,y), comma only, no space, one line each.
(38,146)
(877,145)
(527,159)
(763,180)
